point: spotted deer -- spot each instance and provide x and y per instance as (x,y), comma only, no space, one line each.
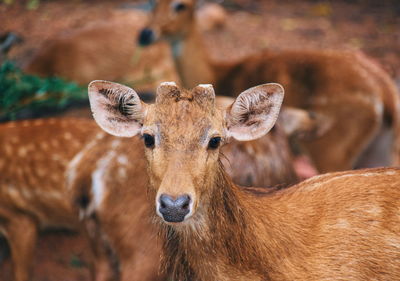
(337,226)
(35,155)
(33,159)
(359,99)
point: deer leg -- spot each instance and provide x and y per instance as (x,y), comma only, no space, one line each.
(103,267)
(22,234)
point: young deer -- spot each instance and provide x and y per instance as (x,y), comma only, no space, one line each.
(35,154)
(338,226)
(108,183)
(355,94)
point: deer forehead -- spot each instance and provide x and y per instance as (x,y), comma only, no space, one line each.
(178,112)
(183,123)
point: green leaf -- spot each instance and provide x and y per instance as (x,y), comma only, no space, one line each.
(32,4)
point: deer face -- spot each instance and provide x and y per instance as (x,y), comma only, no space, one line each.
(182,134)
(171,19)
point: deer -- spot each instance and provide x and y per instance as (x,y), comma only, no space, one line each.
(34,155)
(352,90)
(336,226)
(38,156)
(109,192)
(105,49)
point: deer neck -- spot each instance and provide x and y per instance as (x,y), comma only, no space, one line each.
(191,60)
(232,242)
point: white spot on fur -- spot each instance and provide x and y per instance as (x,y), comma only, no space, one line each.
(22,151)
(122,160)
(115,144)
(122,173)
(72,166)
(98,180)
(67,135)
(12,191)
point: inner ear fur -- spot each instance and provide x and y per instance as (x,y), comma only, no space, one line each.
(254,111)
(116,108)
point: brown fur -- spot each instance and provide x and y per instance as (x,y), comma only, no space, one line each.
(347,87)
(104,50)
(124,215)
(338,226)
(341,226)
(34,156)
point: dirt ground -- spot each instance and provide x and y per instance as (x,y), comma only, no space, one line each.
(374,29)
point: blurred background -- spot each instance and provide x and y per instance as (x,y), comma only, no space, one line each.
(80,41)
(50,50)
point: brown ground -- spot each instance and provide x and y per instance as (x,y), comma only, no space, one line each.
(270,24)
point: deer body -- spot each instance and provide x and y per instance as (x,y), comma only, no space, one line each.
(302,234)
(33,195)
(339,226)
(334,83)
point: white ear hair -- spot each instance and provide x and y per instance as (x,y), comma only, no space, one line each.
(116,108)
(254,112)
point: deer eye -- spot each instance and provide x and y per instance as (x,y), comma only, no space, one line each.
(214,142)
(148,140)
(179,7)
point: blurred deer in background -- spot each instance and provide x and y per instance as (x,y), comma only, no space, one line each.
(34,156)
(338,226)
(107,50)
(358,98)
(33,159)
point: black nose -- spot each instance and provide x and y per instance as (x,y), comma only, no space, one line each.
(174,210)
(146,37)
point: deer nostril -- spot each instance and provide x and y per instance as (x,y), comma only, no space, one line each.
(185,206)
(146,37)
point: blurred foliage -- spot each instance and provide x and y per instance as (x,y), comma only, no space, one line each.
(30,4)
(20,91)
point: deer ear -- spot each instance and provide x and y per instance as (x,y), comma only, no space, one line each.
(303,124)
(116,108)
(254,112)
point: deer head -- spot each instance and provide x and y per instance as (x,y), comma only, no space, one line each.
(171,19)
(183,132)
